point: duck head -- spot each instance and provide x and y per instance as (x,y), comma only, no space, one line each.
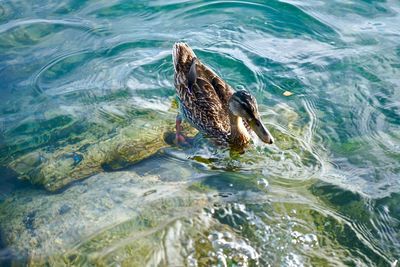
(243,104)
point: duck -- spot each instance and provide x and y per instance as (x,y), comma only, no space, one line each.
(211,106)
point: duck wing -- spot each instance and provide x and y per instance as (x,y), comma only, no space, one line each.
(203,95)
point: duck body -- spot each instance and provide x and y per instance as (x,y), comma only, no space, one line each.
(205,100)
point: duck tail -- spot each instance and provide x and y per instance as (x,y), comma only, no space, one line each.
(182,56)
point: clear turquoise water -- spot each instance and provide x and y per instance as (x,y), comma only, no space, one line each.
(75,74)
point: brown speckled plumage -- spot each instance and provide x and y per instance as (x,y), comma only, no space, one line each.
(205,105)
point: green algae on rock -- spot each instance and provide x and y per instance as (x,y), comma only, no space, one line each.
(56,169)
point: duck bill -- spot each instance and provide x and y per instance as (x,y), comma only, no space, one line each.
(258,127)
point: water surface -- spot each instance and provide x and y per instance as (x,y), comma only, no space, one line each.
(87,92)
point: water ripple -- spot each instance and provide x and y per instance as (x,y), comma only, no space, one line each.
(18,23)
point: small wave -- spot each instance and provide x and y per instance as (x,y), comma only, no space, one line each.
(85,25)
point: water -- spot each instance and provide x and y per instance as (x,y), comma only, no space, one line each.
(88,99)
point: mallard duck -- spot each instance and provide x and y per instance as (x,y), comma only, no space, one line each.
(211,106)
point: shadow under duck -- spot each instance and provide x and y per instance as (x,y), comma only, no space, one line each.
(211,106)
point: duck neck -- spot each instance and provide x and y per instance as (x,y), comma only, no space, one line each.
(239,137)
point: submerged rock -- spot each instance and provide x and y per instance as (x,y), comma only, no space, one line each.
(125,218)
(184,217)
(57,168)
(35,223)
(293,155)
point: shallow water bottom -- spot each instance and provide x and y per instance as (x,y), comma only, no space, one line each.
(181,217)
